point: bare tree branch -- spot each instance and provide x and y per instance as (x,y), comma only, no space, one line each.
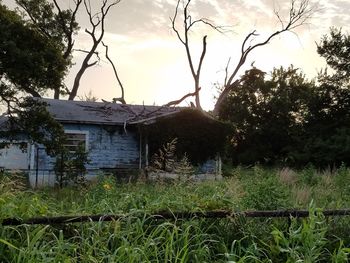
(97,22)
(66,28)
(183,37)
(176,102)
(121,99)
(218,28)
(226,71)
(298,15)
(85,51)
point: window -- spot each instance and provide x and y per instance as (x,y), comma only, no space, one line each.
(75,139)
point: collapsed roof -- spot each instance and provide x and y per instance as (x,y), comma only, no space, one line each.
(68,111)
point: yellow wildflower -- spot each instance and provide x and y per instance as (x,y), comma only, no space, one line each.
(107,186)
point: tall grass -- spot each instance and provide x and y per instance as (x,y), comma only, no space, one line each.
(146,239)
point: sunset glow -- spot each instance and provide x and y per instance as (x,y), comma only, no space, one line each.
(152,62)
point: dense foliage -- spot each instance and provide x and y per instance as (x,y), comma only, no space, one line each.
(327,131)
(285,118)
(335,48)
(31,64)
(266,114)
(70,166)
(144,239)
(198,135)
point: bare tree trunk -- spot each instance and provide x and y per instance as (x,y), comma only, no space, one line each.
(223,95)
(56,94)
(84,66)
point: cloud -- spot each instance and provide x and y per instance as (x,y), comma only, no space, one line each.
(153,64)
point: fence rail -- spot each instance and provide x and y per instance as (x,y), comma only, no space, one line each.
(171,215)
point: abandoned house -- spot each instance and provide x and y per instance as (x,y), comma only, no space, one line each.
(119,137)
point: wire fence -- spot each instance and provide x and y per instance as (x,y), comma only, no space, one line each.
(38,178)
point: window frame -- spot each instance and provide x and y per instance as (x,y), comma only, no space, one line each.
(86,133)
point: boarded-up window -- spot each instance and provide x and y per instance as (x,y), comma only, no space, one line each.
(75,140)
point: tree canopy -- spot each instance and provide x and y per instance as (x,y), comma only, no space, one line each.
(266,114)
(335,48)
(59,27)
(326,139)
(286,118)
(30,65)
(36,45)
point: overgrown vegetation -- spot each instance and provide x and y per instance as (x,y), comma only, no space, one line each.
(284,118)
(198,135)
(70,166)
(145,239)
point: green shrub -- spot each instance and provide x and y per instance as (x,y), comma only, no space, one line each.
(70,167)
(265,193)
(342,179)
(309,176)
(303,242)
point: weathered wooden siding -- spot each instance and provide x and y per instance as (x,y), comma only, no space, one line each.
(14,157)
(108,147)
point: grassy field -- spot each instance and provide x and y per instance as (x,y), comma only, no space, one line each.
(145,239)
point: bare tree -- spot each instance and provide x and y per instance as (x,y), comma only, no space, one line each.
(97,22)
(60,25)
(299,13)
(188,24)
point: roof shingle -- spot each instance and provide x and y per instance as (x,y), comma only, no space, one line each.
(105,113)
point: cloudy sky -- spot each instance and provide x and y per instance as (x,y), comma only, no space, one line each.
(152,62)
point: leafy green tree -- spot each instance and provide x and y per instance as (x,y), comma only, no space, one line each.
(291,119)
(267,114)
(335,48)
(29,66)
(326,138)
(59,26)
(54,25)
